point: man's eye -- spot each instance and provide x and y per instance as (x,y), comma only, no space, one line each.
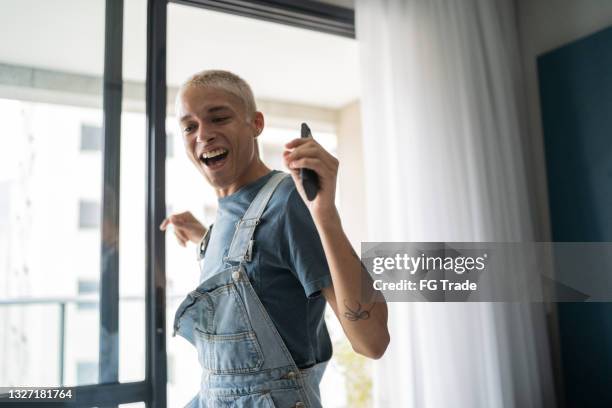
(218,120)
(188,129)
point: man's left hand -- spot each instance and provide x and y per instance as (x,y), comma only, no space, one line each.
(308,153)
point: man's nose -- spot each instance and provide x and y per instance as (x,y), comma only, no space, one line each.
(204,135)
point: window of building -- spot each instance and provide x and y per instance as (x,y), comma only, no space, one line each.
(171,364)
(89,214)
(91,138)
(87,372)
(87,287)
(169,145)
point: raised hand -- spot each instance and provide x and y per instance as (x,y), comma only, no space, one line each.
(308,153)
(186,227)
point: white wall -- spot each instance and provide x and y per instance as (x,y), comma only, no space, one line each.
(351,177)
(544,25)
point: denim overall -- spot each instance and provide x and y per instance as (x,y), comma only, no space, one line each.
(245,362)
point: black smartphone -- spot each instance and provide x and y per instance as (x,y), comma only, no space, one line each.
(310,179)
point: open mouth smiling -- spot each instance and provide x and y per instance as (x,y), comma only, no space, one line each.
(215,158)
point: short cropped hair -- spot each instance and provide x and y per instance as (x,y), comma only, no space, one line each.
(226,81)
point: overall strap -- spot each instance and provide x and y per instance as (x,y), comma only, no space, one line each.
(242,243)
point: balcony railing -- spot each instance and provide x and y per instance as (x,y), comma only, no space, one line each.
(61,303)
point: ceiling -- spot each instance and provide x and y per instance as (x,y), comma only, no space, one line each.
(342,3)
(280,62)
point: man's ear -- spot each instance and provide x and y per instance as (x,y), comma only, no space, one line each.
(258,123)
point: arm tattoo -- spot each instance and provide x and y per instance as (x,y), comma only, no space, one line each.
(358,314)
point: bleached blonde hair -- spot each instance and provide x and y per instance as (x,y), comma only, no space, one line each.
(226,81)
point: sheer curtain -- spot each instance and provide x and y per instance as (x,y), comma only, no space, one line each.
(443,121)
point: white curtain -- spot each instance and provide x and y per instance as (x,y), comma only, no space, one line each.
(443,126)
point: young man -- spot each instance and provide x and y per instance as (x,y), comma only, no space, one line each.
(269,263)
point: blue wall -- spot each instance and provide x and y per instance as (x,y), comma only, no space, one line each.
(576,98)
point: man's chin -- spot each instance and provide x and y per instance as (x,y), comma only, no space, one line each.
(216,180)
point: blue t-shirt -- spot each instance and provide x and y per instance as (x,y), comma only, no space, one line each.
(288,267)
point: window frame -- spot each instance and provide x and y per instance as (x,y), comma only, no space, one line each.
(312,15)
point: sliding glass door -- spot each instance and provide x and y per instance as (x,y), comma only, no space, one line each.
(87,143)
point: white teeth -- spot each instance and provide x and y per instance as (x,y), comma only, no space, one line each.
(213,153)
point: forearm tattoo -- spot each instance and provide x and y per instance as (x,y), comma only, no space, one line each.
(358,314)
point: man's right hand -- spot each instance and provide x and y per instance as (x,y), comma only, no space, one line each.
(186,227)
